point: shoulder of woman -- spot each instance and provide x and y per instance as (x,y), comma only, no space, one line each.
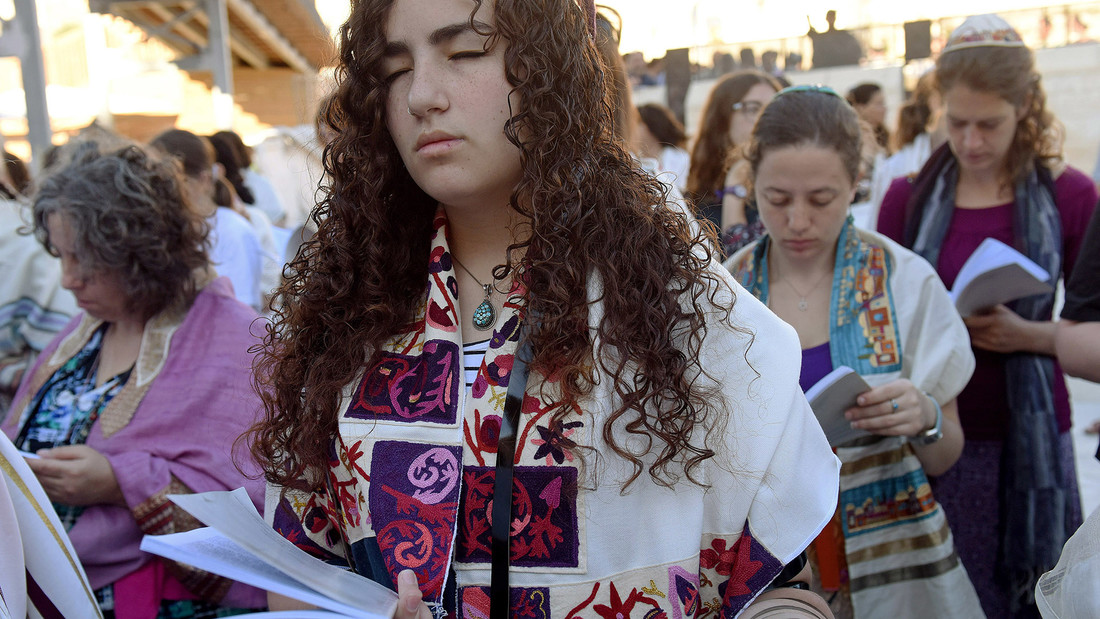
(737,262)
(904,260)
(1072,184)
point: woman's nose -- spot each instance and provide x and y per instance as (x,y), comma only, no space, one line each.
(427,91)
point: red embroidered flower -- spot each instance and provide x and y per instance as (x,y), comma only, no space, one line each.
(718,558)
(621,609)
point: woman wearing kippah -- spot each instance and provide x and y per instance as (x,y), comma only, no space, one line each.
(628,437)
(1012,496)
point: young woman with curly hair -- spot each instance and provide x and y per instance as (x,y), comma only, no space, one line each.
(479,212)
(1000,176)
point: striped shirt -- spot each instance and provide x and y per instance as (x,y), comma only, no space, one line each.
(473,355)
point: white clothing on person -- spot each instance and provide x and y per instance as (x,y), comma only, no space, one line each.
(271,270)
(908,160)
(235,252)
(37,554)
(265,197)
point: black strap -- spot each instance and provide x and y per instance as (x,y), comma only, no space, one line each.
(499,593)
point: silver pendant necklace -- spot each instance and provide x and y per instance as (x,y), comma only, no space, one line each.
(803,305)
(485,315)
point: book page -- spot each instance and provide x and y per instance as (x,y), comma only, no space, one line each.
(209,550)
(996,273)
(835,393)
(233,515)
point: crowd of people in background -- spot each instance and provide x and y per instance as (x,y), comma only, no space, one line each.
(635,300)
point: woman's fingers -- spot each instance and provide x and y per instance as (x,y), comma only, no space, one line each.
(410,600)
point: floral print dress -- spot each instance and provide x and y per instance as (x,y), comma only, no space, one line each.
(65,408)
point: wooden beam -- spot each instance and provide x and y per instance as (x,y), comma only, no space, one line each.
(254,19)
(247,52)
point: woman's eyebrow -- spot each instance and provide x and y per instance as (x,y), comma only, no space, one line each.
(438,36)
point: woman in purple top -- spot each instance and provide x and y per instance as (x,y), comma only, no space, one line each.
(1001,176)
(859,300)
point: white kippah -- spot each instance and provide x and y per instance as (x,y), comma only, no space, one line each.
(987,30)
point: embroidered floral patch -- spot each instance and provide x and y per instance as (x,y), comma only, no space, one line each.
(742,569)
(544,516)
(405,388)
(413,499)
(526,603)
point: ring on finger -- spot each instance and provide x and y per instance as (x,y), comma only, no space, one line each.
(894,403)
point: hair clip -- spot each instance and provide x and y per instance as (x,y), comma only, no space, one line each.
(822,88)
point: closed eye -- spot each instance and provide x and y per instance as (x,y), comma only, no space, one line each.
(394,75)
(468,54)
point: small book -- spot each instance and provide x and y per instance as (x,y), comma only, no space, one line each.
(996,273)
(829,397)
(238,544)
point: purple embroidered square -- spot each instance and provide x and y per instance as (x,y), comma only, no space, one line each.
(747,564)
(407,388)
(545,532)
(413,499)
(524,603)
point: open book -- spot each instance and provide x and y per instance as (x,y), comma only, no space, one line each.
(238,544)
(835,393)
(996,273)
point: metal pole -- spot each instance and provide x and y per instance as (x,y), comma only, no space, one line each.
(217,46)
(32,67)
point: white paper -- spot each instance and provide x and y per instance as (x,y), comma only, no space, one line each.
(27,454)
(233,515)
(829,397)
(209,550)
(996,273)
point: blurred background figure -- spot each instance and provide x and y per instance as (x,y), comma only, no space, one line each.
(725,125)
(33,305)
(235,249)
(660,137)
(253,188)
(869,102)
(226,186)
(834,47)
(920,131)
(143,393)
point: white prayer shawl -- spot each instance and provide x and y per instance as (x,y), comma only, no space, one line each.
(883,559)
(772,486)
(40,574)
(33,305)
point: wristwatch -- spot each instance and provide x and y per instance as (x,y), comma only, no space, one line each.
(933,434)
(737,191)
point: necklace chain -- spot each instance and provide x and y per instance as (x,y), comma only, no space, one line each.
(802,304)
(485,314)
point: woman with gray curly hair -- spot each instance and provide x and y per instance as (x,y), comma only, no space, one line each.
(144,392)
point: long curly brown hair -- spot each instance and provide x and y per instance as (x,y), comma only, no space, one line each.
(590,210)
(711,155)
(1010,73)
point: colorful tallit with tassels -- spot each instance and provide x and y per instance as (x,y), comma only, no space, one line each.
(411,476)
(889,550)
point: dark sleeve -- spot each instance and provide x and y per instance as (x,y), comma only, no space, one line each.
(1076,202)
(891,215)
(1083,288)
